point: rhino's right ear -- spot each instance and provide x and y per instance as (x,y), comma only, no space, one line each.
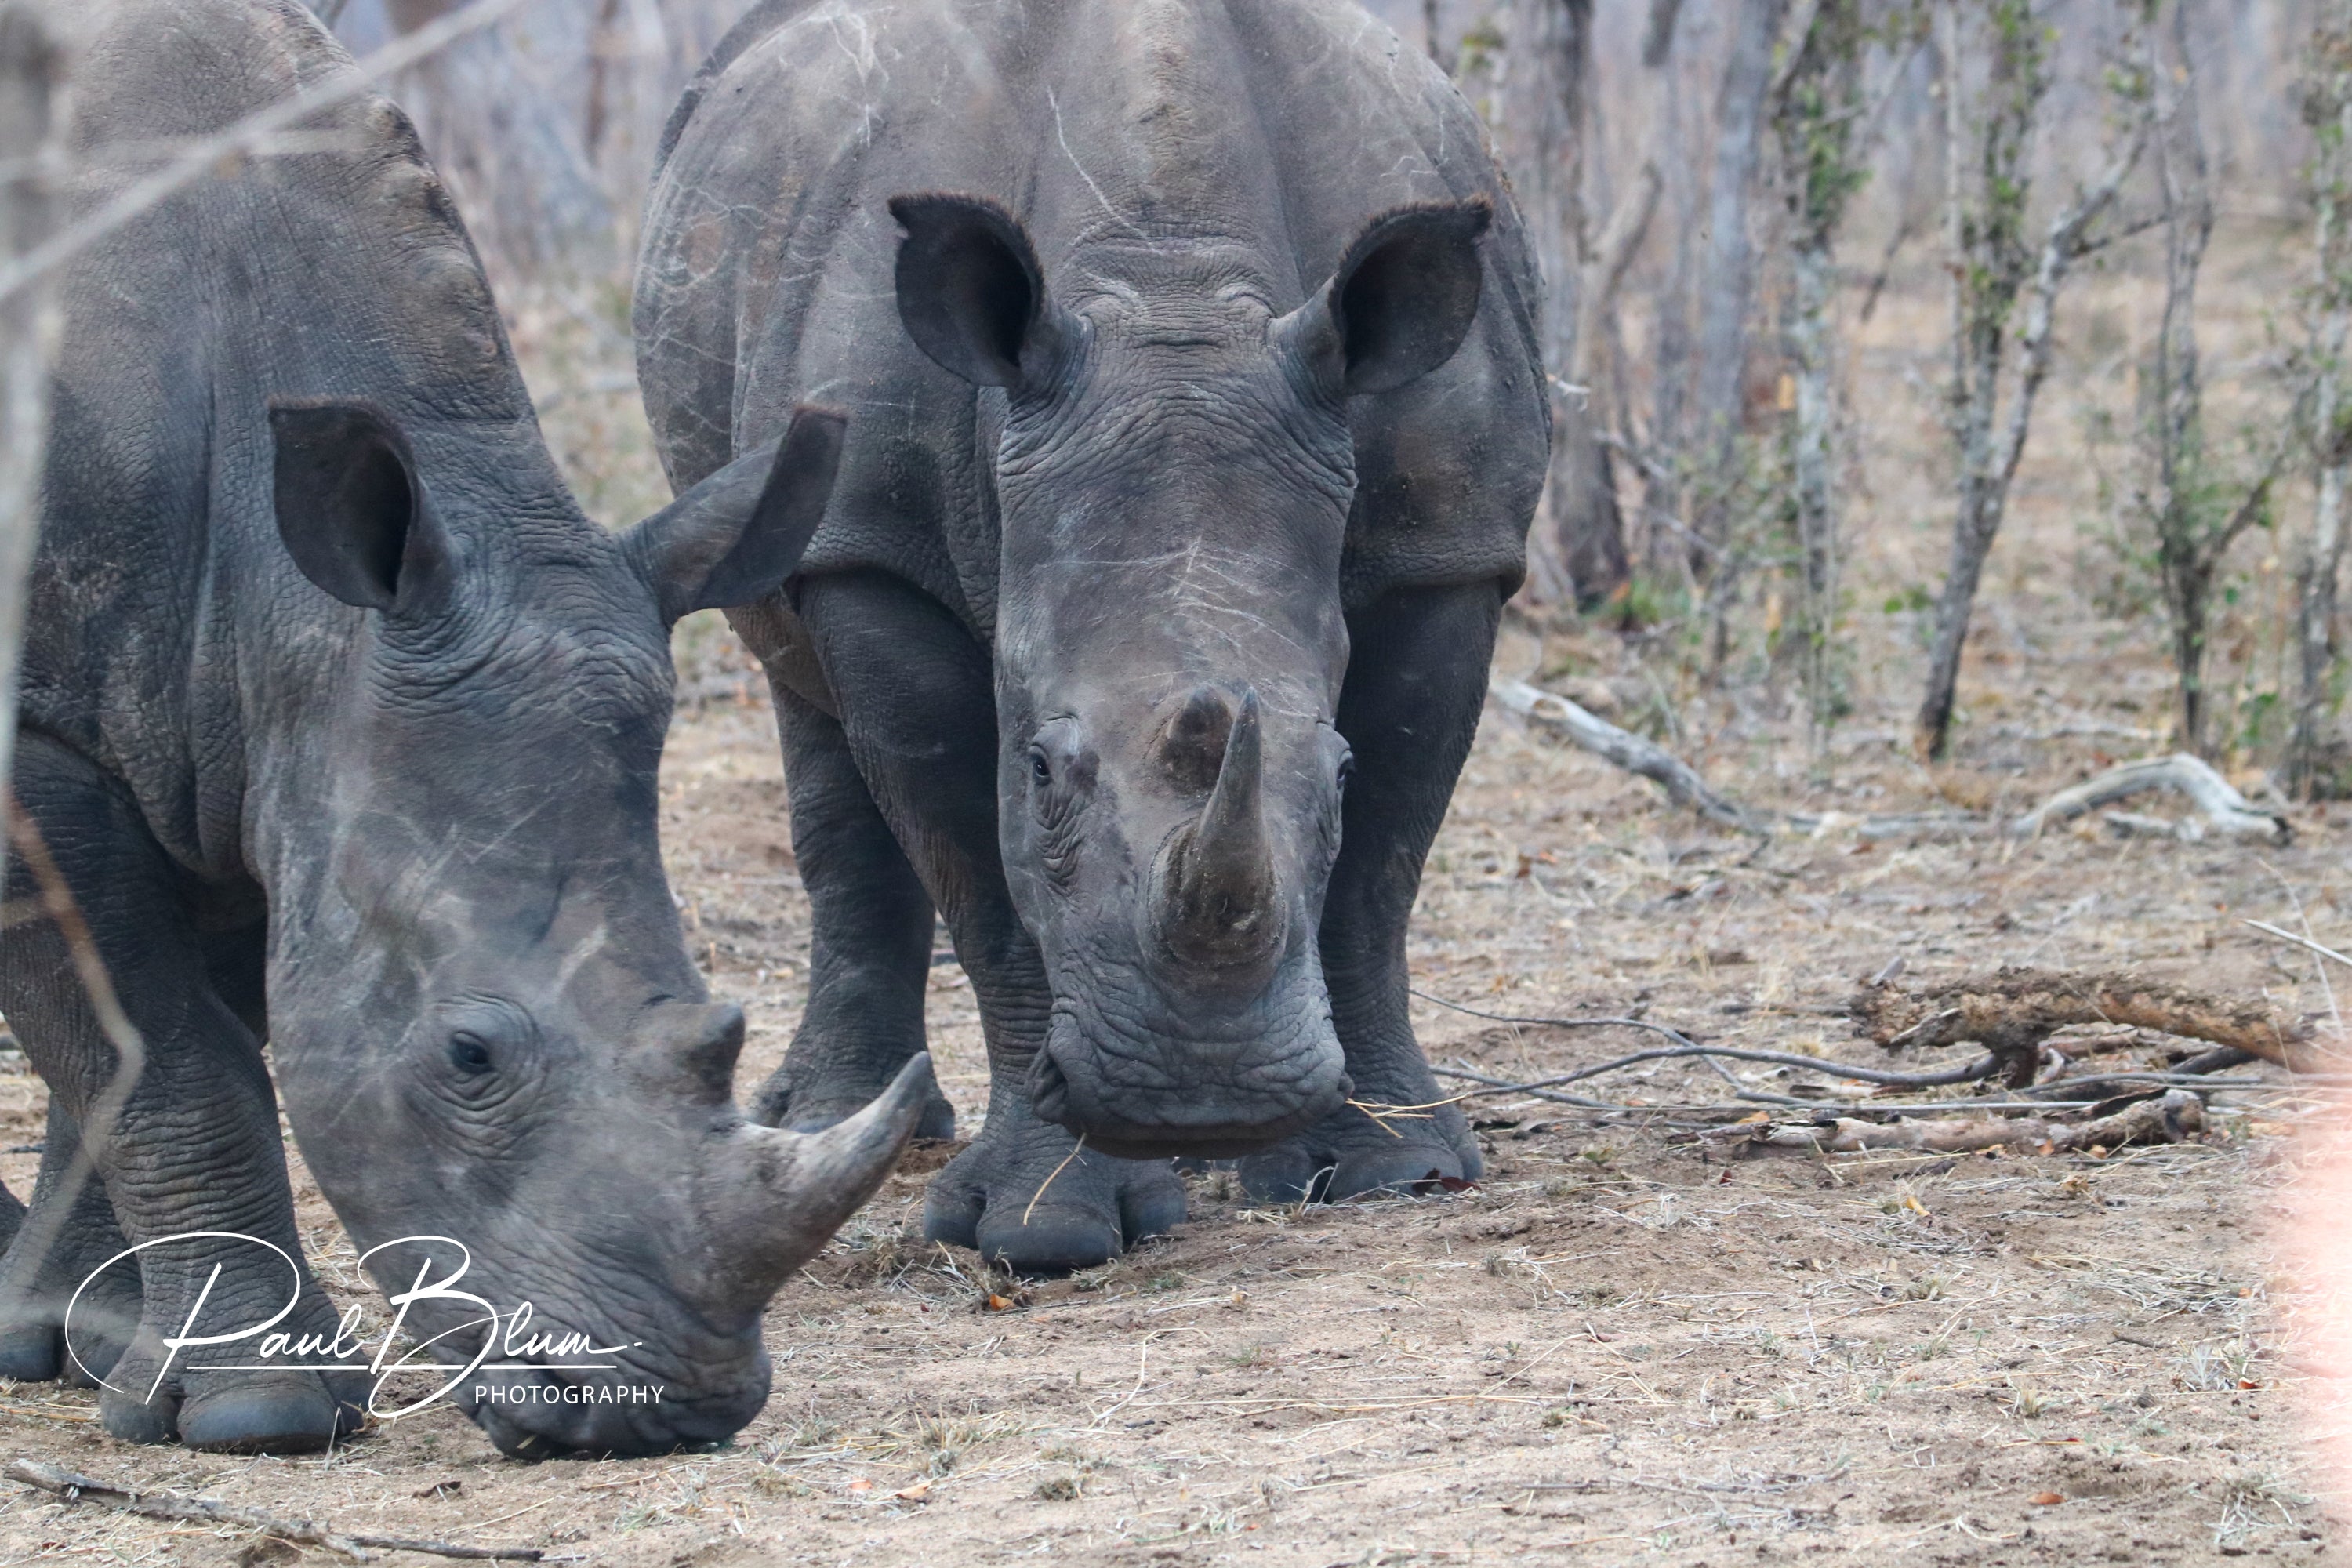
(971,292)
(735,537)
(350,506)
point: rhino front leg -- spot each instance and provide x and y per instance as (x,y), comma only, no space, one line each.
(66,1236)
(918,712)
(869,946)
(1416,683)
(194,1146)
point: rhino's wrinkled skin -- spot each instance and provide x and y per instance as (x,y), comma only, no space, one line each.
(1196,425)
(408,838)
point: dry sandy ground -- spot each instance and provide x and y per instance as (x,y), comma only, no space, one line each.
(1621,1347)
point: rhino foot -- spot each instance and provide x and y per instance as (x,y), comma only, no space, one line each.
(239,1413)
(1348,1155)
(201,1396)
(288,1412)
(1028,1197)
(59,1247)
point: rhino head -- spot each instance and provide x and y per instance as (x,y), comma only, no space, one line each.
(1174,473)
(486,1024)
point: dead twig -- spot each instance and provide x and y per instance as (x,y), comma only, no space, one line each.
(205,156)
(103,1112)
(2011,1012)
(1685,1046)
(77,1488)
(2303,941)
(2177,1116)
(1033,1197)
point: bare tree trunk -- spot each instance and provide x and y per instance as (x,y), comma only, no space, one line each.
(1817,103)
(1581,535)
(514,149)
(32,69)
(2182,552)
(1727,269)
(1988,182)
(1669,547)
(2327,100)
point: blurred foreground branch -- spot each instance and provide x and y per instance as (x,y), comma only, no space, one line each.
(224,148)
(77,1488)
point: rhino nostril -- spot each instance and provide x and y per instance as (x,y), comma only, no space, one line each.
(1192,741)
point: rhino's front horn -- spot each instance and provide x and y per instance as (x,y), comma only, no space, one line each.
(1219,906)
(776,1197)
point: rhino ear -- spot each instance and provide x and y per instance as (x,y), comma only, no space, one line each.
(1400,304)
(350,508)
(736,536)
(971,292)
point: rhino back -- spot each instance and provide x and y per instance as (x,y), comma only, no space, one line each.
(169,633)
(1284,124)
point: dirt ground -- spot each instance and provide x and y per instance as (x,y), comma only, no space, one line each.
(1623,1346)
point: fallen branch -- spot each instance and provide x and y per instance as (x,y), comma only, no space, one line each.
(2178,1115)
(2010,1014)
(76,1487)
(2229,812)
(1627,751)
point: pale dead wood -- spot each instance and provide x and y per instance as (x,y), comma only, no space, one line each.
(2012,1011)
(2229,812)
(1626,749)
(77,1488)
(1612,256)
(2178,1115)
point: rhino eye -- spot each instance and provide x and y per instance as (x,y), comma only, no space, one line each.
(1347,770)
(469,1054)
(1040,770)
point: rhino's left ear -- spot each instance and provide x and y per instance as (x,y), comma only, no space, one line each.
(351,508)
(736,536)
(1400,304)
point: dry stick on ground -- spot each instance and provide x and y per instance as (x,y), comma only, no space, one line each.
(76,1487)
(2190,1072)
(1627,750)
(2012,1011)
(2169,1120)
(2229,812)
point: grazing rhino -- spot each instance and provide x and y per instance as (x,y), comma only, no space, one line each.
(1199,418)
(341,722)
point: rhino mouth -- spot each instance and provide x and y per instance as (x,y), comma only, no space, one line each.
(1202,1123)
(541,1413)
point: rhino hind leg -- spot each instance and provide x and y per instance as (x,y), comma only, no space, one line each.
(917,702)
(870,948)
(66,1236)
(1416,683)
(196,1146)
